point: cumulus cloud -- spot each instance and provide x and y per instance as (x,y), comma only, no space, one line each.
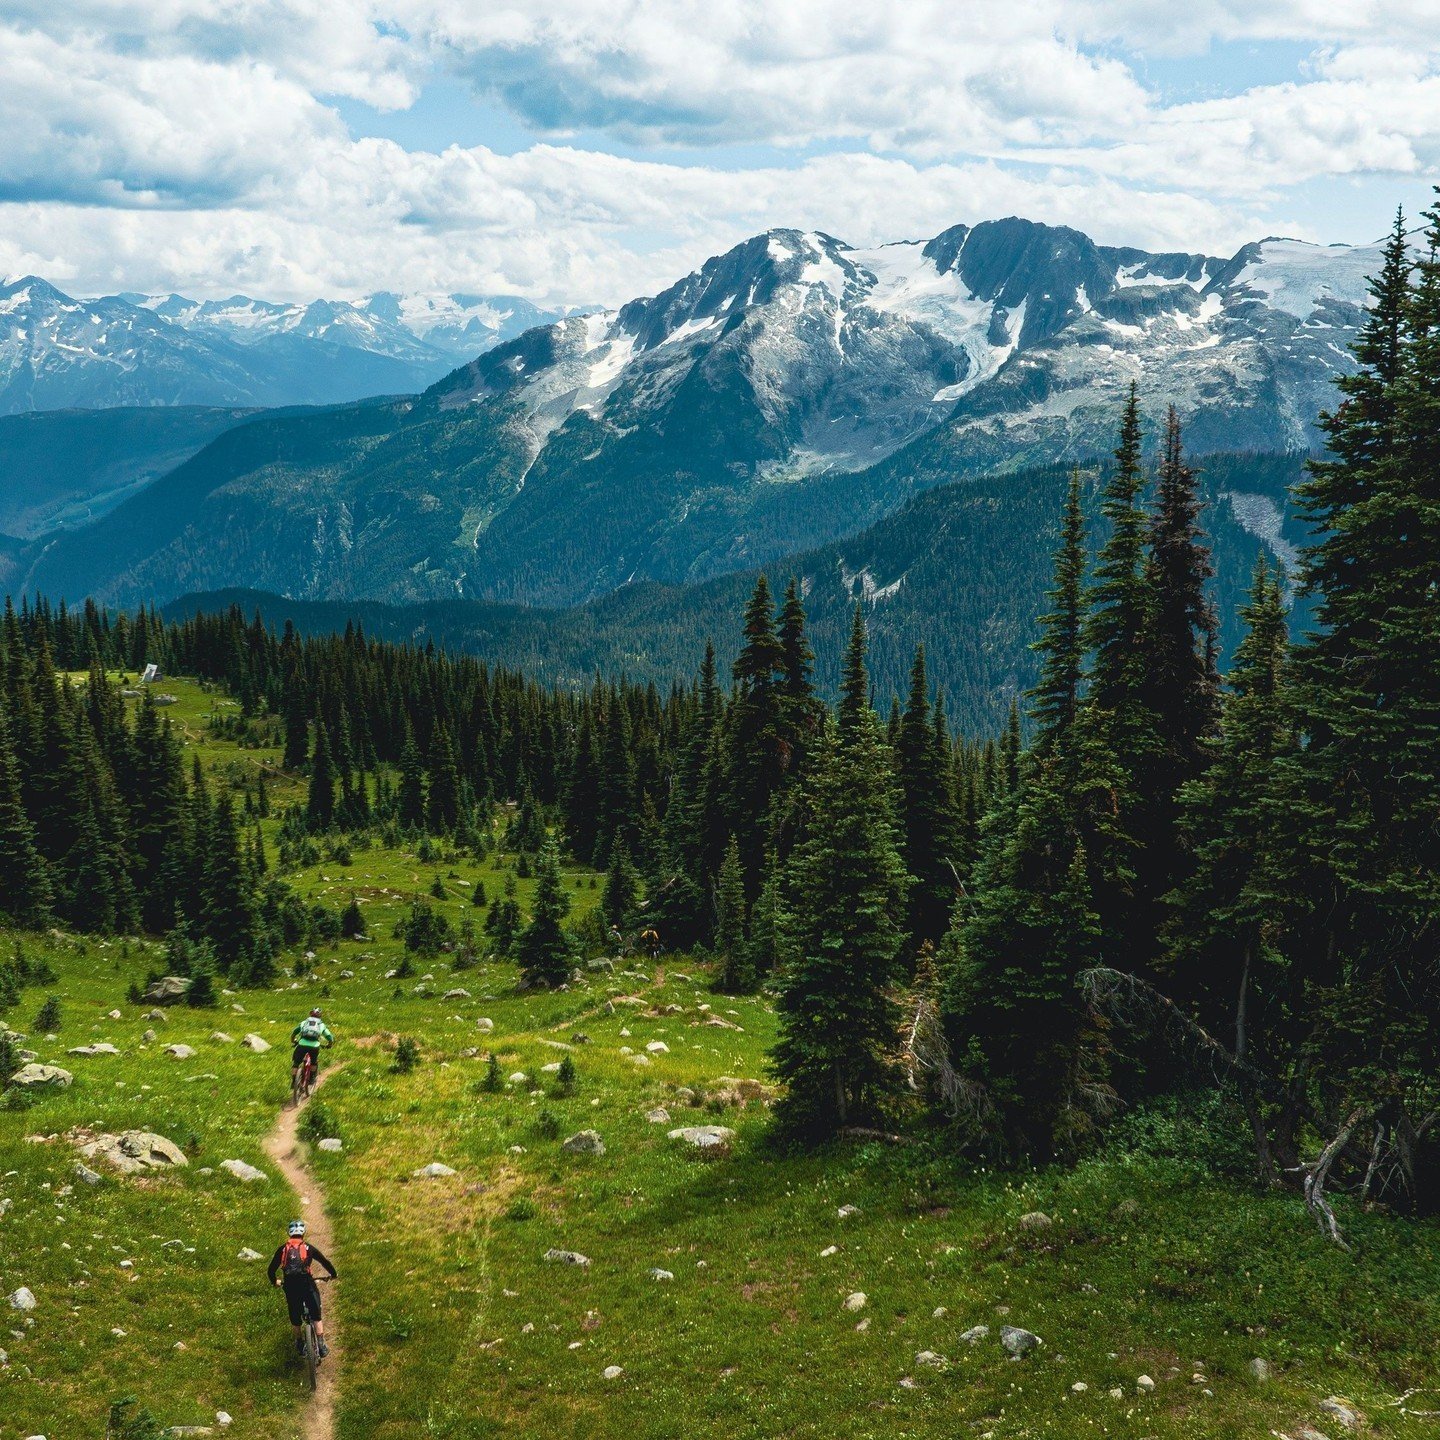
(199,144)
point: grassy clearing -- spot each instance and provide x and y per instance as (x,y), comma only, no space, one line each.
(455,1325)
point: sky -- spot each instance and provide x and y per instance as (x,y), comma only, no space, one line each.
(587,151)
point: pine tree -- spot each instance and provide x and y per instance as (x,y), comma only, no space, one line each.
(25,896)
(928,821)
(1055,700)
(622,889)
(320,805)
(410,798)
(543,950)
(854,680)
(736,975)
(842,930)
(442,803)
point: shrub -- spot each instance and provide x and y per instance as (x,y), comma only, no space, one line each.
(426,931)
(437,887)
(317,1123)
(125,1423)
(407,1055)
(352,922)
(477,895)
(547,1127)
(522,1208)
(493,1081)
(9,1058)
(566,1080)
(48,1016)
(201,994)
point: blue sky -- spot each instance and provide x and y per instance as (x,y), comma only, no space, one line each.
(576,151)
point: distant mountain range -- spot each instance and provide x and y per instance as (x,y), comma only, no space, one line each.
(59,352)
(789,392)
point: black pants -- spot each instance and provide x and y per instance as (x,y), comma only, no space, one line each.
(301,1290)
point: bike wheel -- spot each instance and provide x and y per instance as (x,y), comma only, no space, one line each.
(312,1358)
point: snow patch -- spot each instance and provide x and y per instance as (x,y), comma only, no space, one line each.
(1261,517)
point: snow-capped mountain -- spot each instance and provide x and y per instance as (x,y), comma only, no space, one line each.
(57,351)
(786,393)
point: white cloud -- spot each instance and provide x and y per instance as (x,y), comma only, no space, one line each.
(196,144)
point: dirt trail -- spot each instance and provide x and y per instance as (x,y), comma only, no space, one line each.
(283,1147)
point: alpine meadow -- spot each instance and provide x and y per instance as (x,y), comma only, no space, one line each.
(843,847)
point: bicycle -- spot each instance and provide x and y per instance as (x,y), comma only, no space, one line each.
(302,1082)
(309,1339)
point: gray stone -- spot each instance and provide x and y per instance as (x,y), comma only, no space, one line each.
(100,1047)
(659,1116)
(658,1047)
(433,1171)
(1341,1412)
(1018,1341)
(975,1334)
(258,1043)
(1259,1370)
(930,1358)
(179,1052)
(484,1025)
(41,1077)
(221,1038)
(133,1151)
(568,1257)
(150,1037)
(856,1301)
(612,1372)
(1145,1384)
(586,1142)
(22,1299)
(456,994)
(331,1144)
(658,1274)
(846,1211)
(1036,1220)
(703,1137)
(248,1254)
(86,1174)
(241,1171)
(168,990)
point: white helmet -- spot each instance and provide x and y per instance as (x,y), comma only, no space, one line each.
(297,1229)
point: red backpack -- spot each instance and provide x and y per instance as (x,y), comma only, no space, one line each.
(296,1259)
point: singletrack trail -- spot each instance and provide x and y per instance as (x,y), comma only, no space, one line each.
(282,1145)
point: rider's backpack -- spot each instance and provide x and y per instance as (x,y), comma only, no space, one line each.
(296,1259)
(311,1028)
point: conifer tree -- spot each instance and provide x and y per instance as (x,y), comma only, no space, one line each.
(927,818)
(843,929)
(622,889)
(736,975)
(1055,700)
(320,804)
(442,802)
(543,950)
(410,796)
(25,895)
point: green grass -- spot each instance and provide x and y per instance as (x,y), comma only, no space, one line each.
(452,1323)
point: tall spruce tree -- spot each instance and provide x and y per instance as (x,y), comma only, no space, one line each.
(927,816)
(320,804)
(842,932)
(543,949)
(736,974)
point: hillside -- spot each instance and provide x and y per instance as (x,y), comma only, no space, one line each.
(831,1293)
(788,393)
(976,553)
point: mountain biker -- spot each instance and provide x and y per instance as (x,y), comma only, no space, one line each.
(307,1038)
(290,1269)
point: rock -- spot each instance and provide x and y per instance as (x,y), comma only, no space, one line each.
(939,1312)
(100,1047)
(856,1301)
(127,1264)
(1309,1432)
(568,1257)
(258,1043)
(659,1274)
(1018,1341)
(179,1431)
(1145,1385)
(929,1357)
(659,1116)
(85,1173)
(828,1251)
(434,1171)
(1036,1220)
(703,1137)
(22,1299)
(179,1052)
(168,990)
(241,1171)
(553,1068)
(221,1038)
(149,1037)
(115,1015)
(586,1142)
(456,994)
(975,1334)
(41,1077)
(134,1151)
(1117,1393)
(484,1025)
(1342,1412)
(221,1418)
(846,1211)
(518,1078)
(1259,1370)
(658,1047)
(331,1144)
(612,1372)
(1079,1387)
(247,1254)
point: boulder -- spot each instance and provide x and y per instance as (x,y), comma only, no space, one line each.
(433,1171)
(248,1254)
(168,990)
(856,1301)
(1036,1220)
(221,1038)
(258,1043)
(1145,1385)
(41,1077)
(1345,1415)
(658,1274)
(846,1211)
(1018,1341)
(179,1052)
(241,1171)
(456,994)
(331,1144)
(485,1025)
(658,1047)
(703,1137)
(586,1142)
(85,1174)
(100,1047)
(975,1334)
(568,1257)
(612,1372)
(1259,1370)
(659,1116)
(22,1299)
(930,1358)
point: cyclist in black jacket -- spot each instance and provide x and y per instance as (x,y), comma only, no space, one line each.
(290,1268)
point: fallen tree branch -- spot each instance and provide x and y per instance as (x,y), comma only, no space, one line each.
(1317,1172)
